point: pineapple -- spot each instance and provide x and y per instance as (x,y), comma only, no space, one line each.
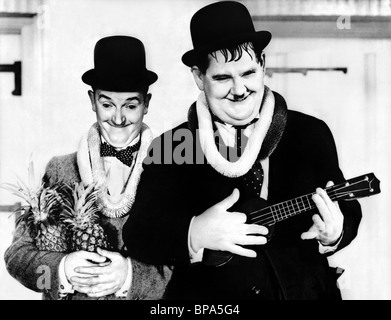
(81,216)
(42,213)
(51,233)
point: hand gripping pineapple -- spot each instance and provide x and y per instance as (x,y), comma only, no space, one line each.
(103,175)
(81,217)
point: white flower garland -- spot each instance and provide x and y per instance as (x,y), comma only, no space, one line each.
(254,144)
(94,172)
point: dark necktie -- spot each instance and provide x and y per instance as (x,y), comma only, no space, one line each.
(251,182)
(234,153)
(125,155)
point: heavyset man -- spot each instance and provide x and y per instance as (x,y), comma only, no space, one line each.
(252,148)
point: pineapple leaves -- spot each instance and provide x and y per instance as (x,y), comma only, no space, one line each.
(31,175)
(53,212)
(80,205)
(42,201)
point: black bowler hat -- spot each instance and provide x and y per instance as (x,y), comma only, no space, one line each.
(222,25)
(119,65)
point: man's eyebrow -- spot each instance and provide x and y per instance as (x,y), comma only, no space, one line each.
(251,70)
(226,75)
(133,98)
(102,96)
(220,75)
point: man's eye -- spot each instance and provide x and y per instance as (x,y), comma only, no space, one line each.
(248,73)
(131,106)
(106,105)
(221,78)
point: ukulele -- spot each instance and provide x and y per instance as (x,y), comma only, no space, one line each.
(359,187)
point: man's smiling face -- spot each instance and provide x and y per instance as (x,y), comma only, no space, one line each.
(119,114)
(233,89)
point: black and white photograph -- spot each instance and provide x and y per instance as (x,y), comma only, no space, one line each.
(195,150)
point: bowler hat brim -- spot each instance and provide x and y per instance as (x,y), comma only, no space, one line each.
(119,84)
(260,39)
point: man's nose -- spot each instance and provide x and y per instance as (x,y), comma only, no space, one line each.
(238,88)
(118,118)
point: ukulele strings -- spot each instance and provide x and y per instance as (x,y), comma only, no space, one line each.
(289,210)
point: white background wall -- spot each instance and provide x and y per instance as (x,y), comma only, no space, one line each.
(54,111)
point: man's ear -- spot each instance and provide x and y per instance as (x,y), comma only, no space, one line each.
(147,99)
(91,94)
(263,61)
(198,77)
